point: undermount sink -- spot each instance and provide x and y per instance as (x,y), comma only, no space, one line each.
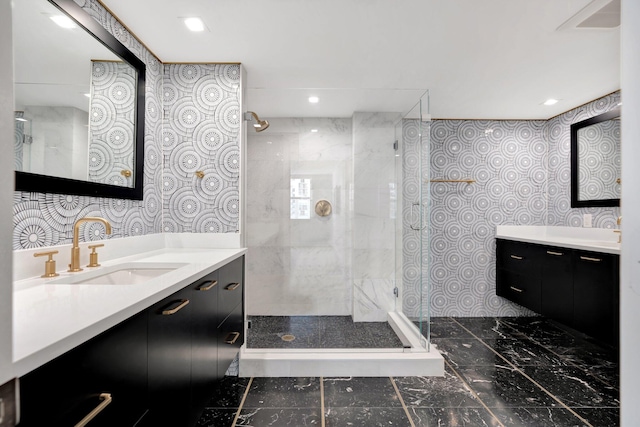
(132,273)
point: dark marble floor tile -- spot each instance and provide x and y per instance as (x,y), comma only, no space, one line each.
(262,417)
(366,417)
(217,417)
(444,329)
(523,352)
(501,386)
(539,417)
(535,327)
(488,327)
(359,392)
(582,352)
(467,351)
(229,393)
(436,392)
(573,386)
(609,417)
(283,393)
(452,417)
(606,374)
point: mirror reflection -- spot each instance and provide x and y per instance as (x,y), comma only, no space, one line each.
(599,159)
(75,100)
(595,161)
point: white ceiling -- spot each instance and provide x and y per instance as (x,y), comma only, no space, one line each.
(480,59)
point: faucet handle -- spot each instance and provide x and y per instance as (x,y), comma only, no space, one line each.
(93,256)
(49,265)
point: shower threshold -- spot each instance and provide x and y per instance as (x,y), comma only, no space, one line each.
(413,359)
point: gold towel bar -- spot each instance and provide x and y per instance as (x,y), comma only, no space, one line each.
(468,181)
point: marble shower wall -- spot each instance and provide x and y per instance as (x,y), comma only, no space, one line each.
(42,220)
(300,262)
(522,173)
(201,108)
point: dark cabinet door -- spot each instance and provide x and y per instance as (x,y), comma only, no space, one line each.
(204,345)
(556,287)
(231,286)
(169,342)
(595,296)
(518,273)
(230,339)
(65,390)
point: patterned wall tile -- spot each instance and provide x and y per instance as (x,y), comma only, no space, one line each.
(42,220)
(201,107)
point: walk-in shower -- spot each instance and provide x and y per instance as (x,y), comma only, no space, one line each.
(351,282)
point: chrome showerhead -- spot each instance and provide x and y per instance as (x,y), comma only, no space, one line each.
(259,125)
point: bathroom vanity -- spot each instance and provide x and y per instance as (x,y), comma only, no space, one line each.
(159,365)
(566,275)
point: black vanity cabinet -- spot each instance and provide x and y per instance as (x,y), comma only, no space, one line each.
(518,273)
(596,297)
(107,371)
(231,327)
(158,368)
(574,287)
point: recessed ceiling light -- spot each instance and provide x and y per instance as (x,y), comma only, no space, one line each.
(63,21)
(194,24)
(314,130)
(550,101)
(314,99)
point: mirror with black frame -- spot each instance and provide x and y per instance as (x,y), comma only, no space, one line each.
(595,161)
(79,104)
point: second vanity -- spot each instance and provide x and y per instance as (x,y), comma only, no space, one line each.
(564,273)
(144,348)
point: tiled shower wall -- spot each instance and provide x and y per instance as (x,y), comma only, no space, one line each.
(522,173)
(47,219)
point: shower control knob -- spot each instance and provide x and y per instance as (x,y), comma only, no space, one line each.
(323,208)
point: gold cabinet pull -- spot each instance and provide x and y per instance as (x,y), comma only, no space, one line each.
(513,288)
(555,253)
(233,340)
(586,258)
(231,287)
(170,311)
(106,400)
(208,286)
(516,257)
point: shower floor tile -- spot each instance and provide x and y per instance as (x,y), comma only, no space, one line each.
(319,332)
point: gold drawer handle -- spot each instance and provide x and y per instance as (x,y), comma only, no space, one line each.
(555,253)
(209,286)
(516,257)
(232,286)
(233,340)
(586,258)
(106,400)
(513,288)
(169,312)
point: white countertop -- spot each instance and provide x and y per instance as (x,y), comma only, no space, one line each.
(50,319)
(588,239)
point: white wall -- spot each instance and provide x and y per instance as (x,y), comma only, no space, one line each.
(630,261)
(6,191)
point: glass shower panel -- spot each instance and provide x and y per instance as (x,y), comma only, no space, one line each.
(412,258)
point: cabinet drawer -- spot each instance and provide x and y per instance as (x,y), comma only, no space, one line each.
(230,339)
(519,288)
(230,286)
(518,257)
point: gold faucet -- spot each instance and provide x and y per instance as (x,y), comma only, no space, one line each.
(75,250)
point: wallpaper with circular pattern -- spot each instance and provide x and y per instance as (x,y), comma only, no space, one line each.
(42,220)
(202,107)
(522,173)
(111,134)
